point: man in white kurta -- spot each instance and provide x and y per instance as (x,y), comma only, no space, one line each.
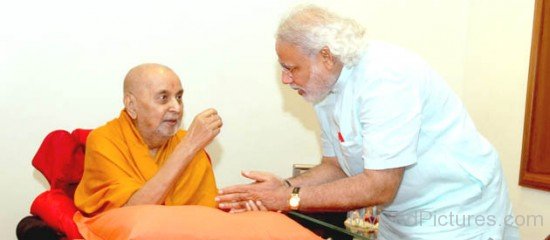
(392,110)
(393,133)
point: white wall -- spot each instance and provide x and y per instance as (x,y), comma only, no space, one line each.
(62,64)
(495,84)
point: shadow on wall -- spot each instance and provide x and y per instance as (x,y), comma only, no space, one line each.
(297,106)
(215,150)
(37,175)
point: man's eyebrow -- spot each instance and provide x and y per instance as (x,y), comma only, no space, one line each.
(285,66)
(162,92)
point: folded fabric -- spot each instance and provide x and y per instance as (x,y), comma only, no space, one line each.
(188,222)
(60,159)
(118,163)
(56,209)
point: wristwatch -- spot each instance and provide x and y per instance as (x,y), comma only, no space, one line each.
(294,200)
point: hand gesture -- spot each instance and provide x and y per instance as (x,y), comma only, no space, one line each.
(267,192)
(205,126)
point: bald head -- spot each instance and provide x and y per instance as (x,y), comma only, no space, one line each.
(141,77)
(153,100)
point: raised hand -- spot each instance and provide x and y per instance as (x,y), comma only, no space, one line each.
(205,126)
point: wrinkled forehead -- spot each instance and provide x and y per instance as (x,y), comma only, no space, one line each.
(159,80)
(290,54)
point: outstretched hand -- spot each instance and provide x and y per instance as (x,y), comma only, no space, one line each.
(267,192)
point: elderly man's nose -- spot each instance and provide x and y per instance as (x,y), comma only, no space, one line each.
(286,78)
(176,105)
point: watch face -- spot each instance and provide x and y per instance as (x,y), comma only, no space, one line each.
(294,201)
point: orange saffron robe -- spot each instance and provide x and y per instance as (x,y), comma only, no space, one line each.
(117,163)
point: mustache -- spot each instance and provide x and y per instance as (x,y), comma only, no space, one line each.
(172,118)
(295,87)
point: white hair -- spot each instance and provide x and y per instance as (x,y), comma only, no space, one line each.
(311,28)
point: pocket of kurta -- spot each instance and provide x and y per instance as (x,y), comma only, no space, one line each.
(352,151)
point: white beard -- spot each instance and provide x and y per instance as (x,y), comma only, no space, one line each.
(318,86)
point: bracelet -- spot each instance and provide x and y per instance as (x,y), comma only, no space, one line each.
(287,183)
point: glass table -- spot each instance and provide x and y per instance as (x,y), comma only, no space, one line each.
(329,225)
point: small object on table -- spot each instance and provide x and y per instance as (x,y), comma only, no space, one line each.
(366,225)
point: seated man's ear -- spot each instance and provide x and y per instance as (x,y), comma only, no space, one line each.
(130,105)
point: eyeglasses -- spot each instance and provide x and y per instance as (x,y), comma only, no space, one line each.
(288,70)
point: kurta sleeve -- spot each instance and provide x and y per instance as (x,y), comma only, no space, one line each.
(390,117)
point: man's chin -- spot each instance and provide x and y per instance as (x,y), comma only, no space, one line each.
(314,98)
(170,131)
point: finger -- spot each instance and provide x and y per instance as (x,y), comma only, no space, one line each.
(216,126)
(240,210)
(212,118)
(212,123)
(209,112)
(258,176)
(215,132)
(224,206)
(252,206)
(203,115)
(241,188)
(232,197)
(229,205)
(248,207)
(239,205)
(217,123)
(261,206)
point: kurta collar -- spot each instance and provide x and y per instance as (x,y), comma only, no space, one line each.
(342,79)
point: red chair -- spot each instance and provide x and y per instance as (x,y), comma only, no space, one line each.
(60,159)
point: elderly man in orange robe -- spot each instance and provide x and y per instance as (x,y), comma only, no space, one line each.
(142,157)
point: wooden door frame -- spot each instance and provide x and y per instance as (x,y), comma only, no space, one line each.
(528,177)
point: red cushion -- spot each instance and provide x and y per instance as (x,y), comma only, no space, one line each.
(81,135)
(57,210)
(60,159)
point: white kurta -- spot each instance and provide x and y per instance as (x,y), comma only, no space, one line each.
(392,110)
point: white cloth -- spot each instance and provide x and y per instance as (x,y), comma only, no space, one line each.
(392,110)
